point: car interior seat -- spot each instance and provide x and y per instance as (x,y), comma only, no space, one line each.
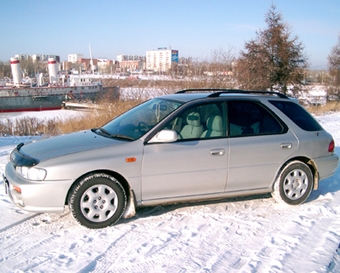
(193,128)
(214,127)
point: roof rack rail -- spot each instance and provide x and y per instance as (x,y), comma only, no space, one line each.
(219,91)
(200,90)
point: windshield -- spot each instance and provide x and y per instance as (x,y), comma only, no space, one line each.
(139,120)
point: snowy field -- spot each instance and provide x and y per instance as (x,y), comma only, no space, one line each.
(233,235)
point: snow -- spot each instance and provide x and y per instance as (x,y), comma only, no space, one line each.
(41,115)
(252,234)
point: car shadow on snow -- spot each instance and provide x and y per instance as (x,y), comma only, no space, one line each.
(145,212)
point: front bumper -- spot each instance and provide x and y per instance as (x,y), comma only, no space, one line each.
(35,196)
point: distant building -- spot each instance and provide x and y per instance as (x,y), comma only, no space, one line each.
(44,57)
(130,63)
(131,66)
(105,65)
(37,57)
(22,56)
(86,63)
(161,60)
(124,57)
(74,58)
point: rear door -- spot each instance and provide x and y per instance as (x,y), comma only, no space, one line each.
(259,144)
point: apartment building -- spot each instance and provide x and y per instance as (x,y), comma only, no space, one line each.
(74,58)
(37,57)
(126,57)
(161,60)
(130,63)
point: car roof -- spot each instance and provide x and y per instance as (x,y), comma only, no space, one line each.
(194,94)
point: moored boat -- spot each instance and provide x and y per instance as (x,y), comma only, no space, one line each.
(34,95)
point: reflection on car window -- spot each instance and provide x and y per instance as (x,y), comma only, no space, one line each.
(246,118)
(139,120)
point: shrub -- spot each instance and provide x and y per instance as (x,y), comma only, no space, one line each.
(333,106)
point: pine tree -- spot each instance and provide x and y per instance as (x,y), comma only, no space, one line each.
(273,60)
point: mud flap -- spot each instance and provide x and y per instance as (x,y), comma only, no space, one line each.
(130,210)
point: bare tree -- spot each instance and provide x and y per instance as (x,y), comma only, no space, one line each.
(5,70)
(222,60)
(31,67)
(334,67)
(274,59)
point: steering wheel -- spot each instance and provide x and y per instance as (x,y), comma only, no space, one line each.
(142,127)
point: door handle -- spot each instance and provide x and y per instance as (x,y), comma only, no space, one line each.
(217,152)
(286,146)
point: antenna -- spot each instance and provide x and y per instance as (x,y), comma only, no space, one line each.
(91,61)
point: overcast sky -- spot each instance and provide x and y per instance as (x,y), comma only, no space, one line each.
(194,27)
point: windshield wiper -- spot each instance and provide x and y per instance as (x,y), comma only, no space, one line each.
(122,137)
(102,130)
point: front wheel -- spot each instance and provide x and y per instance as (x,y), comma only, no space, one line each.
(97,201)
(294,184)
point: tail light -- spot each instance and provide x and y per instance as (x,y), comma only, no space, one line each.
(331,146)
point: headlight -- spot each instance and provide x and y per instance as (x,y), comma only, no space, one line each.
(31,173)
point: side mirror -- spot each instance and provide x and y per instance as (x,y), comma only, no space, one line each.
(164,136)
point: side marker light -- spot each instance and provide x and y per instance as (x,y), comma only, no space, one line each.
(130,159)
(17,189)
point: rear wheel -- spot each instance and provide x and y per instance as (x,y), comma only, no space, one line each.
(97,201)
(294,184)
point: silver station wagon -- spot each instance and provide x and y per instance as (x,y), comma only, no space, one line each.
(189,146)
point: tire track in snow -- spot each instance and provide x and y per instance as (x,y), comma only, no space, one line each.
(30,236)
(17,222)
(201,246)
(103,262)
(287,246)
(209,237)
(131,245)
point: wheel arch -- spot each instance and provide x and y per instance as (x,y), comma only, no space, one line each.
(131,205)
(311,165)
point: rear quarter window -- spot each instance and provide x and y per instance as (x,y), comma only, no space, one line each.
(298,115)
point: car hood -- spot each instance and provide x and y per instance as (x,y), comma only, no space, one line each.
(66,144)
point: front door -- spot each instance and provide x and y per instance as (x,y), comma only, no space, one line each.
(196,164)
(184,168)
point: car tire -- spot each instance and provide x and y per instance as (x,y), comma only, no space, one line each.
(294,184)
(97,200)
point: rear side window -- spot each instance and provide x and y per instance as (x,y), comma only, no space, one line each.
(298,115)
(248,118)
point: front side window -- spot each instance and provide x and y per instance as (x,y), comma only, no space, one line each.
(248,118)
(199,122)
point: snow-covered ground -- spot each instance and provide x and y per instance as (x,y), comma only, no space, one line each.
(233,235)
